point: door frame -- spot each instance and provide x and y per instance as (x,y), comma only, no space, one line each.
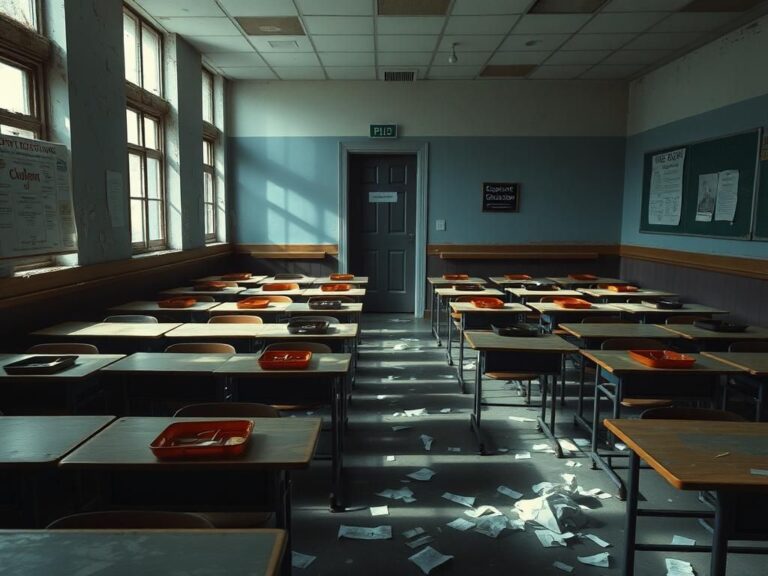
(421,150)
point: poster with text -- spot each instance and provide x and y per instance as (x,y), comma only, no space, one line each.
(666,194)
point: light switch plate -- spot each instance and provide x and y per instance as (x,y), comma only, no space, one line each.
(440,225)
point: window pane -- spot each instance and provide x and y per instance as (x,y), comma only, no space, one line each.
(134,132)
(207,153)
(207,97)
(130,45)
(155,220)
(208,187)
(151,133)
(20,10)
(150,59)
(135,176)
(154,185)
(13,131)
(137,221)
(210,222)
(14,95)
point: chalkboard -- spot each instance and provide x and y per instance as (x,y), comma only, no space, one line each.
(761,211)
(734,152)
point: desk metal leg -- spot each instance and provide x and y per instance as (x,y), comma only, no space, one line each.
(460,367)
(720,535)
(448,358)
(549,428)
(337,423)
(631,519)
(597,459)
(283,516)
(475,417)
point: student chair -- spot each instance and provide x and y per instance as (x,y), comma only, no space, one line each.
(63,348)
(235,319)
(684,319)
(202,348)
(744,384)
(131,519)
(636,344)
(132,318)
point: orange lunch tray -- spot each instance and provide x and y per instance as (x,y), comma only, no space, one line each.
(582,276)
(210,286)
(488,302)
(253,303)
(202,439)
(517,277)
(335,287)
(455,276)
(278,287)
(285,359)
(622,288)
(177,303)
(237,276)
(662,358)
(342,276)
(572,303)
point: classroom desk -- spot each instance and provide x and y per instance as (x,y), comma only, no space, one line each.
(197,310)
(605,295)
(523,294)
(146,552)
(695,455)
(553,315)
(568,282)
(540,354)
(32,446)
(227,294)
(110,333)
(259,291)
(436,282)
(713,340)
(349,311)
(755,364)
(243,371)
(630,378)
(357,280)
(272,313)
(72,381)
(473,318)
(303,281)
(252,281)
(447,293)
(276,447)
(651,315)
(504,282)
(357,293)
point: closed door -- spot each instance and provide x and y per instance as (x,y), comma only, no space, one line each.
(382,228)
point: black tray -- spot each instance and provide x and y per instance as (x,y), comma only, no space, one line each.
(299,326)
(325,304)
(40,365)
(541,286)
(288,276)
(469,287)
(519,330)
(664,304)
(719,326)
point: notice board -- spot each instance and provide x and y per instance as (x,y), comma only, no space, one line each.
(717,187)
(36,215)
(761,208)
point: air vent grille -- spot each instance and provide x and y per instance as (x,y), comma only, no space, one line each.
(399,75)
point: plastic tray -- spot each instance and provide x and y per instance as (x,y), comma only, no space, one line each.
(235,276)
(493,303)
(299,326)
(202,439)
(342,276)
(455,276)
(664,304)
(40,365)
(582,276)
(662,358)
(324,304)
(517,330)
(210,286)
(285,359)
(622,288)
(720,326)
(177,303)
(517,277)
(278,287)
(335,287)
(253,303)
(469,287)
(573,303)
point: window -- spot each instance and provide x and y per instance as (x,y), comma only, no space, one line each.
(143,53)
(207,97)
(23,11)
(209,191)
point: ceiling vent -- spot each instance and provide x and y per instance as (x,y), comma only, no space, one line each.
(271,25)
(399,75)
(412,7)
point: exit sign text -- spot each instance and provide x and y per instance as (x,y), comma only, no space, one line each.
(383,130)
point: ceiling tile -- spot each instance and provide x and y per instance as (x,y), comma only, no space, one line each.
(574,57)
(338,24)
(335,7)
(214,44)
(620,22)
(352,73)
(557,72)
(421,72)
(645,5)
(404,58)
(406,43)
(347,58)
(636,57)
(566,6)
(245,73)
(343,43)
(722,5)
(502,58)
(480,24)
(663,41)
(465,58)
(454,72)
(550,23)
(162,8)
(597,41)
(515,43)
(260,8)
(285,59)
(300,73)
(412,7)
(606,72)
(275,43)
(236,59)
(410,24)
(470,43)
(694,22)
(200,26)
(481,7)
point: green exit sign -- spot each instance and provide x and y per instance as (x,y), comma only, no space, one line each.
(383,130)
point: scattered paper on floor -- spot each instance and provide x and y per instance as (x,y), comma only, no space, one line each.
(379,510)
(678,567)
(468,501)
(522,455)
(365,533)
(390,458)
(429,558)
(423,475)
(415,412)
(461,524)
(445,410)
(597,540)
(683,541)
(299,560)
(522,419)
(514,494)
(419,542)
(405,494)
(427,441)
(483,511)
(582,442)
(408,534)
(563,566)
(573,464)
(601,560)
(550,539)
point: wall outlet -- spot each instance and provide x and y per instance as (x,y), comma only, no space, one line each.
(440,225)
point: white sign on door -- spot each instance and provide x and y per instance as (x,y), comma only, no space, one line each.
(379,197)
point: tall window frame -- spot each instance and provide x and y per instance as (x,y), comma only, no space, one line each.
(210,136)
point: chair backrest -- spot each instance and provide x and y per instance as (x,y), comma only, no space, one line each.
(235,319)
(329,319)
(747,346)
(202,348)
(63,348)
(685,413)
(277,298)
(317,347)
(132,318)
(605,320)
(632,344)
(228,409)
(347,299)
(131,519)
(544,298)
(684,319)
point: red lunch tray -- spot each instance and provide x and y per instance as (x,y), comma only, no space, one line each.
(253,303)
(572,303)
(455,276)
(177,303)
(488,303)
(662,358)
(285,359)
(237,276)
(202,439)
(342,276)
(622,288)
(335,287)
(582,276)
(517,277)
(279,287)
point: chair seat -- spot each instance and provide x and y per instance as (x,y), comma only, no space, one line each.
(238,520)
(511,375)
(646,403)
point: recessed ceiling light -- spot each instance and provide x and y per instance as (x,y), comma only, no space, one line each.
(283,44)
(270,28)
(271,25)
(566,6)
(412,7)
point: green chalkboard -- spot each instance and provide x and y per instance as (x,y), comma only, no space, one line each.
(734,152)
(761,212)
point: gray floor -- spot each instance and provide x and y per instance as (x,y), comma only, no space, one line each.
(401,368)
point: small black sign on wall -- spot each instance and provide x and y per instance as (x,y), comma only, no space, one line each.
(501,196)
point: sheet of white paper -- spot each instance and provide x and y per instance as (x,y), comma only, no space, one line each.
(563,566)
(522,456)
(379,510)
(427,441)
(365,533)
(419,542)
(541,486)
(401,346)
(115,199)
(573,464)
(401,494)
(582,442)
(429,558)
(620,446)
(468,501)
(514,494)
(299,560)
(522,419)
(461,524)
(707,196)
(601,560)
(682,541)
(597,540)
(666,190)
(390,458)
(416,412)
(550,539)
(445,410)
(491,526)
(727,195)
(469,365)
(483,511)
(604,496)
(408,534)
(567,445)
(423,475)
(678,567)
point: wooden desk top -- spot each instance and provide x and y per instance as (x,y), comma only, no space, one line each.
(190,291)
(259,291)
(688,308)
(319,365)
(85,365)
(605,293)
(552,308)
(346,308)
(354,292)
(685,452)
(340,331)
(619,362)
(304,280)
(691,332)
(146,552)
(231,308)
(151,308)
(503,281)
(486,340)
(618,330)
(451,292)
(468,307)
(275,443)
(756,363)
(169,362)
(44,440)
(522,292)
(568,281)
(438,281)
(107,329)
(252,281)
(355,280)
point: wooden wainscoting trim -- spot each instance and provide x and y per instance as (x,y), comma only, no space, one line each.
(288,251)
(521,251)
(737,266)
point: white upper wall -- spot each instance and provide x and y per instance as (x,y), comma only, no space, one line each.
(430,108)
(725,71)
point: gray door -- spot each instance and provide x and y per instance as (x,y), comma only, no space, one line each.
(382,228)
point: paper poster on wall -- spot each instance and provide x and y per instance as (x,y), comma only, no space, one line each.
(36,215)
(705,202)
(666,193)
(727,195)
